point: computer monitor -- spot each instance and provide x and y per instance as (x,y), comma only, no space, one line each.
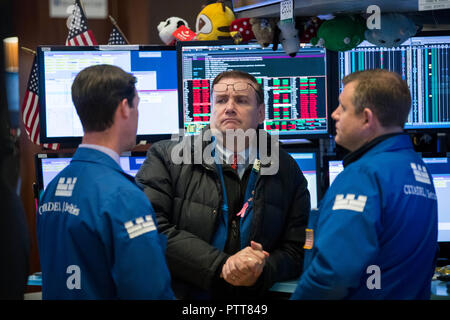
(155,68)
(49,165)
(308,163)
(440,171)
(296,89)
(334,168)
(423,61)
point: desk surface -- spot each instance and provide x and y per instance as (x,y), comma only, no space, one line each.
(440,290)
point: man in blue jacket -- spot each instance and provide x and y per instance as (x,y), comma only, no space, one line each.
(96,229)
(374,235)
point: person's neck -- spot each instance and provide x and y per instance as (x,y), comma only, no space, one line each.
(381,131)
(234,146)
(104,139)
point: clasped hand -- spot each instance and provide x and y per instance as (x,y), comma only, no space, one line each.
(245,267)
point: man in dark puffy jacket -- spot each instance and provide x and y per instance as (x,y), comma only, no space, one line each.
(233,206)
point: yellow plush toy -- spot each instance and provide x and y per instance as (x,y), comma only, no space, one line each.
(213,22)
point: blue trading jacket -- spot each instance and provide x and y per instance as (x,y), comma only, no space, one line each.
(97,235)
(380,212)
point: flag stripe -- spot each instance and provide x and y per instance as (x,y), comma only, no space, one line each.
(35,131)
(25,111)
(91,38)
(32,112)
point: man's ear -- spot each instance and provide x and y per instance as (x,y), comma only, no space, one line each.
(261,113)
(124,108)
(369,117)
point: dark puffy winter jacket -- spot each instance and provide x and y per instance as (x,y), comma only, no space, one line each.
(187,200)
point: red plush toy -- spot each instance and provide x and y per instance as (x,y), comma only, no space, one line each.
(310,29)
(241,30)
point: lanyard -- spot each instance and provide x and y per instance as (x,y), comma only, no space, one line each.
(246,211)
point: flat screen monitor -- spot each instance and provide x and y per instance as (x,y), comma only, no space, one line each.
(307,162)
(423,61)
(155,68)
(334,168)
(440,171)
(295,88)
(49,165)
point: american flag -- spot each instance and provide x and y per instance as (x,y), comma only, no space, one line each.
(79,33)
(116,37)
(30,109)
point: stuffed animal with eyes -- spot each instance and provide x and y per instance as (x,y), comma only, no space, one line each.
(395,29)
(341,33)
(264,30)
(213,22)
(167,27)
(288,35)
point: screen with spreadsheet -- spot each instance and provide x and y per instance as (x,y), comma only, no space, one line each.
(155,68)
(295,89)
(424,63)
(49,165)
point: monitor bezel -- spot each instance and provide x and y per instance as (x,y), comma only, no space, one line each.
(331,80)
(74,141)
(326,169)
(299,149)
(444,246)
(38,165)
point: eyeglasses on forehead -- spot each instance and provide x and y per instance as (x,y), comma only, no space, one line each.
(237,86)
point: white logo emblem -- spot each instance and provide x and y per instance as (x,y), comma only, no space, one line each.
(350,203)
(140,226)
(65,188)
(420,173)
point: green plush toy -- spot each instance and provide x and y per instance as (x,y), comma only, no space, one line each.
(341,33)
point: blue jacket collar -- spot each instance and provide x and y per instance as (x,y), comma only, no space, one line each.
(96,156)
(387,142)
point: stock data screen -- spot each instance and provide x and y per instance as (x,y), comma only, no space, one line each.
(295,91)
(421,61)
(154,68)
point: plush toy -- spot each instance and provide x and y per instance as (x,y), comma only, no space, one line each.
(264,30)
(241,30)
(213,22)
(395,29)
(289,36)
(310,28)
(341,33)
(167,27)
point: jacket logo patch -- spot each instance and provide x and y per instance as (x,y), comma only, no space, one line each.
(349,202)
(65,187)
(140,226)
(420,173)
(309,241)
